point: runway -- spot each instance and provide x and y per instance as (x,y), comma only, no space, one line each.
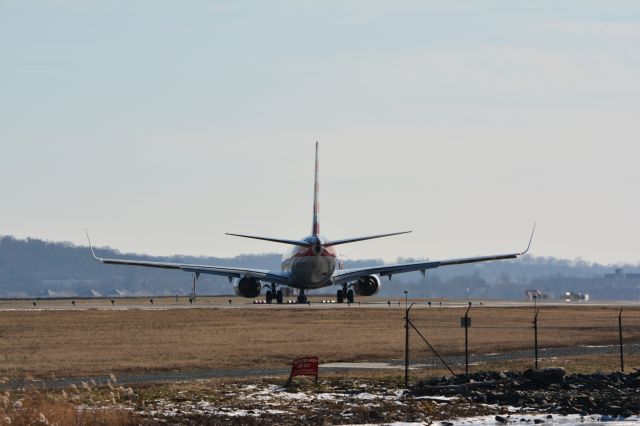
(232,302)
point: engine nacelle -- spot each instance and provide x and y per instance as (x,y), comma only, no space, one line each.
(247,287)
(367,286)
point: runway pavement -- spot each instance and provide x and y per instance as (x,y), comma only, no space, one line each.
(228,302)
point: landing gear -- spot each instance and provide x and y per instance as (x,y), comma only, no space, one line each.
(272,293)
(302,298)
(350,296)
(192,295)
(341,294)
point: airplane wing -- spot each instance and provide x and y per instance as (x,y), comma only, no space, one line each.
(261,274)
(346,275)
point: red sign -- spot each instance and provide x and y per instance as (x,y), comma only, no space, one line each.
(305,367)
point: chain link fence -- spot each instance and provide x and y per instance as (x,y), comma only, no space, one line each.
(467,339)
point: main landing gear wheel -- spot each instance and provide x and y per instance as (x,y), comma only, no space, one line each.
(302,298)
(269,296)
(279,297)
(350,296)
(340,296)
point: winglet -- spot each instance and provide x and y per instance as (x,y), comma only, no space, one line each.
(530,239)
(91,246)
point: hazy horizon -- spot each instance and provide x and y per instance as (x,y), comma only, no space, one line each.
(98,248)
(159,126)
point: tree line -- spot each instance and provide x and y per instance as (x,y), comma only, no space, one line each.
(36,268)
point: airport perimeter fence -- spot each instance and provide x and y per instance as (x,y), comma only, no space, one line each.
(464,340)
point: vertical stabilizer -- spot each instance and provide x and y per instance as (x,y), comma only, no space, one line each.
(316,206)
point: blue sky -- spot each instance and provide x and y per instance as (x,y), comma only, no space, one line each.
(160,125)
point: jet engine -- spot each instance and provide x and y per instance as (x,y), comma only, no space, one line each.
(367,286)
(247,287)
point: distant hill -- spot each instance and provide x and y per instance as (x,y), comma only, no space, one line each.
(32,267)
(37,268)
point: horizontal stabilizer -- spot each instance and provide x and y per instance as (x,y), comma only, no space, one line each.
(275,240)
(353,240)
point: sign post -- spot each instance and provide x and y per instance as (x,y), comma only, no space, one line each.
(307,366)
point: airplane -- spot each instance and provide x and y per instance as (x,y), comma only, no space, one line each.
(311,264)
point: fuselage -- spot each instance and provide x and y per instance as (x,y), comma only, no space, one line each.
(310,267)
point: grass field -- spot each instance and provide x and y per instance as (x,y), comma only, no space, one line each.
(87,342)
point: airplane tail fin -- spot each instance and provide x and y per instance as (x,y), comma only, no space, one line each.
(316,206)
(315,230)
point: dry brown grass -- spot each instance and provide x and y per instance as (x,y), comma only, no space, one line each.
(80,342)
(49,408)
(92,342)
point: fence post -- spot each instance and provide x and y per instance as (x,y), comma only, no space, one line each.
(620,336)
(406,340)
(466,341)
(535,337)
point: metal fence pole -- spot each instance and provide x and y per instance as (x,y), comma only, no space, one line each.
(406,340)
(535,337)
(466,341)
(620,336)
